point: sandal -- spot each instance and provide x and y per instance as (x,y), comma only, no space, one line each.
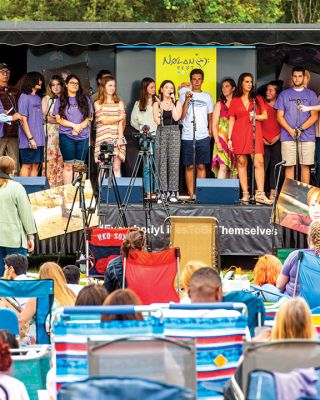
(245,198)
(261,198)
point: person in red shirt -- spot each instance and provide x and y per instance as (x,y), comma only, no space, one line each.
(241,138)
(271,136)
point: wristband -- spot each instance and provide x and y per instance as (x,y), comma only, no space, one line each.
(30,139)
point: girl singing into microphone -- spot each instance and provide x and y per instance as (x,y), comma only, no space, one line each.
(167,113)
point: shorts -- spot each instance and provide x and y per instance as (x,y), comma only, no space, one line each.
(202,151)
(73,150)
(306,152)
(32,156)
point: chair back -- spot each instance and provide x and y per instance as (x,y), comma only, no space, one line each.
(219,330)
(42,290)
(151,275)
(308,272)
(197,237)
(9,321)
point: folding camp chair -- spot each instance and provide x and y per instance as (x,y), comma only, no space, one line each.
(308,272)
(42,290)
(76,324)
(219,330)
(277,356)
(110,388)
(150,357)
(151,275)
(9,321)
(197,237)
(31,365)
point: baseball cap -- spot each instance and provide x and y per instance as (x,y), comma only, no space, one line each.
(4,66)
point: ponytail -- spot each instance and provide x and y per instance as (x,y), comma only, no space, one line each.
(5,357)
(314,237)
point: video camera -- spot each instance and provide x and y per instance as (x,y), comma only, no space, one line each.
(144,134)
(106,151)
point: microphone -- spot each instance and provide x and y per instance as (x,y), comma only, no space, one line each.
(300,255)
(298,102)
(53,97)
(172,96)
(283,162)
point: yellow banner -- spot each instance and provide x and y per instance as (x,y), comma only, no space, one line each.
(176,64)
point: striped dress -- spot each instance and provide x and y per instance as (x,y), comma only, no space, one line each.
(109,132)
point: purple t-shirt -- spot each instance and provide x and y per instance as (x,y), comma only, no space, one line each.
(288,101)
(73,114)
(290,269)
(30,106)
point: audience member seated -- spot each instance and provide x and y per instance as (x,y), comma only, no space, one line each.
(16,266)
(63,296)
(265,274)
(91,295)
(72,274)
(10,388)
(187,271)
(135,239)
(9,339)
(122,297)
(287,277)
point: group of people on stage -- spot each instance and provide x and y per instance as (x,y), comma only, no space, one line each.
(273,127)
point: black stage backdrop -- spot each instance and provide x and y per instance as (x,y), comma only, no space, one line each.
(243,230)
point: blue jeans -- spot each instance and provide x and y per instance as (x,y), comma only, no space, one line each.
(5,251)
(149,181)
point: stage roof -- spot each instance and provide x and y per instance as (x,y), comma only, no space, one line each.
(154,34)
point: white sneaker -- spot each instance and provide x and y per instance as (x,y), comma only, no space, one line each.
(173,198)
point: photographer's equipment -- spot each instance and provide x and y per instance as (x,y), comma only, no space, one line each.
(105,171)
(146,158)
(252,199)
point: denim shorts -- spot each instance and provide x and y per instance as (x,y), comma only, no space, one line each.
(202,151)
(32,156)
(73,150)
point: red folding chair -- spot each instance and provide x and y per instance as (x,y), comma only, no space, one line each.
(151,275)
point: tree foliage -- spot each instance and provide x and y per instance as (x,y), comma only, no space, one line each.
(210,11)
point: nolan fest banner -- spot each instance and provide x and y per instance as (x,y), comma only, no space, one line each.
(176,63)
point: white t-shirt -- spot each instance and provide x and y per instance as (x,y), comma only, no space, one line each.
(15,388)
(203,105)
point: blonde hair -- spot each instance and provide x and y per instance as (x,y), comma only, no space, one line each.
(293,321)
(7,166)
(62,294)
(266,270)
(189,268)
(313,191)
(314,237)
(102,91)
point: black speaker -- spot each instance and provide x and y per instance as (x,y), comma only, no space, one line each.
(33,183)
(217,191)
(122,183)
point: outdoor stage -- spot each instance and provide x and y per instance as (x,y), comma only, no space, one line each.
(243,230)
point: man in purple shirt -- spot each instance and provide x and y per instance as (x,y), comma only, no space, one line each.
(297,127)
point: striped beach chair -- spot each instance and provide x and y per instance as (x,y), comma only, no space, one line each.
(219,330)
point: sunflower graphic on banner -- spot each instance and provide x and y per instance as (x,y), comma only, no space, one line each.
(176,63)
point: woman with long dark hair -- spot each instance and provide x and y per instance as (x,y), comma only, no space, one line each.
(241,138)
(73,111)
(54,157)
(31,131)
(142,114)
(271,137)
(223,160)
(110,118)
(166,114)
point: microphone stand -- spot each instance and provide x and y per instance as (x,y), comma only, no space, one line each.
(46,137)
(194,126)
(296,139)
(274,210)
(252,199)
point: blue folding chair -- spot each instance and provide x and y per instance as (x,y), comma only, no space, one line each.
(42,290)
(9,321)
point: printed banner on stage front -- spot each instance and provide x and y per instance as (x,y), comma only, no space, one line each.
(51,209)
(176,63)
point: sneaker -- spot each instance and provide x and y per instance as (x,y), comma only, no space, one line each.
(173,197)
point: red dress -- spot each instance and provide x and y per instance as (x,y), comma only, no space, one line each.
(242,133)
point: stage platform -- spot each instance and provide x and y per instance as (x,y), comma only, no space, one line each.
(243,230)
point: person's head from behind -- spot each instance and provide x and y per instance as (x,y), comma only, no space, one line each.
(7,167)
(266,270)
(298,76)
(9,339)
(62,294)
(313,201)
(205,286)
(293,321)
(187,272)
(5,357)
(91,295)
(15,265)
(33,81)
(72,274)
(103,73)
(135,239)
(122,297)
(314,237)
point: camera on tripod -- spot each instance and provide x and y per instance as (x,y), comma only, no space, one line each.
(106,151)
(144,134)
